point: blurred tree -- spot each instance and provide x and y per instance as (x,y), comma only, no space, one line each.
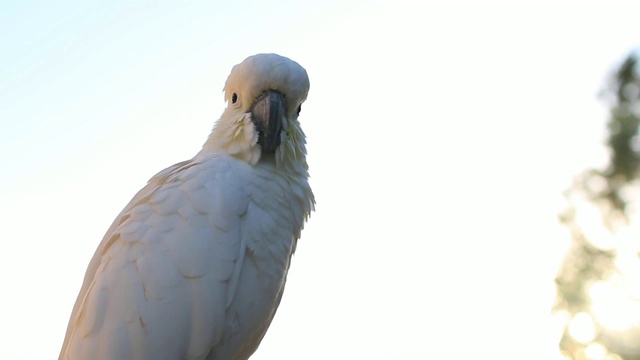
(611,191)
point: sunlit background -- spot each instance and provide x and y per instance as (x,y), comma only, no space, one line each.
(441,136)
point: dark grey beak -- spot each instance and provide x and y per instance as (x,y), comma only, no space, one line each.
(266,113)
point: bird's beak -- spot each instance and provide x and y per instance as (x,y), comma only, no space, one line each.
(266,113)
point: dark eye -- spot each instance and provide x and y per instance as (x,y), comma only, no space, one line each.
(234,98)
(299,108)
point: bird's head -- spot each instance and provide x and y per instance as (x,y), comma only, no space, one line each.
(264,96)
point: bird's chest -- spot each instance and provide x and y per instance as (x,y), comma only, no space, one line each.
(270,225)
(268,229)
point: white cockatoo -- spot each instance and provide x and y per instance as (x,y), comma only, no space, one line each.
(195,265)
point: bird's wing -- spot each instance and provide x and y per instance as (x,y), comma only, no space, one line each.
(159,282)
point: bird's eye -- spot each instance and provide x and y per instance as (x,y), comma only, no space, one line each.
(299,108)
(234,98)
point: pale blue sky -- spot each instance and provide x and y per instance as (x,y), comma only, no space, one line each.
(440,140)
(63,61)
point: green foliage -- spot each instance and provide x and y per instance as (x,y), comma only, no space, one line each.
(623,134)
(609,189)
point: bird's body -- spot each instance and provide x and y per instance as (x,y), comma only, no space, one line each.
(195,265)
